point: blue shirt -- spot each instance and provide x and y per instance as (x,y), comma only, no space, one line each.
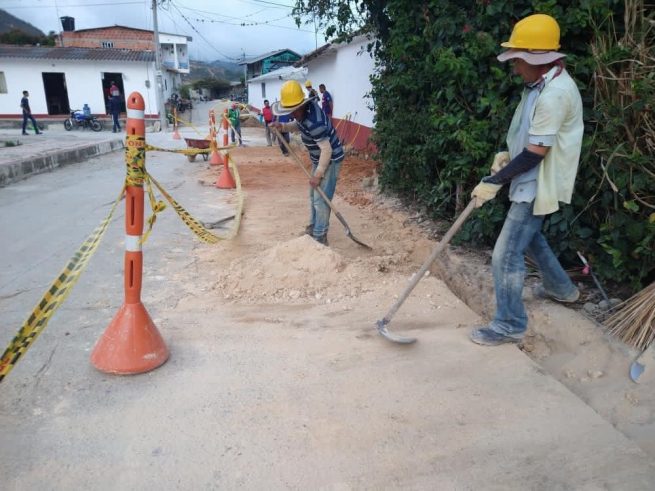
(316,127)
(327,103)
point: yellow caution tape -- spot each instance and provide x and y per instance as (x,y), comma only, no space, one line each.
(187,123)
(54,296)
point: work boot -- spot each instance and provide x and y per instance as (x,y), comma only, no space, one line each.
(540,292)
(488,337)
(24,133)
(321,240)
(309,230)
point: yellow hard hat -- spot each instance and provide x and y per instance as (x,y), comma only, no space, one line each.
(538,31)
(291,94)
(308,83)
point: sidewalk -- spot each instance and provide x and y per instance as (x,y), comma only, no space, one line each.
(56,147)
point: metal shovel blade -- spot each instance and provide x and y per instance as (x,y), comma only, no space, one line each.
(395,338)
(639,366)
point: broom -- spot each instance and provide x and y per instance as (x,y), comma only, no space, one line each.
(633,322)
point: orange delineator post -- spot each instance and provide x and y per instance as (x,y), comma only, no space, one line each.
(176,134)
(215,157)
(225,179)
(131,343)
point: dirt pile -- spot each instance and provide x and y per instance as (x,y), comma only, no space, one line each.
(302,270)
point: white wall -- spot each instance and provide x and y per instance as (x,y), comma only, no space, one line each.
(345,74)
(83,82)
(273,86)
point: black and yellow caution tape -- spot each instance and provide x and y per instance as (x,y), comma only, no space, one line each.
(186,123)
(54,296)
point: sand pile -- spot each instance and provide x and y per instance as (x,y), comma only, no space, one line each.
(298,271)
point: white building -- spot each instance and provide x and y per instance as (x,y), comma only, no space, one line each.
(345,70)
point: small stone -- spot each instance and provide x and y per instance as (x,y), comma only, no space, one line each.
(569,373)
(595,373)
(603,305)
(615,301)
(590,308)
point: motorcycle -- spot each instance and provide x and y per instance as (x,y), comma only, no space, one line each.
(80,120)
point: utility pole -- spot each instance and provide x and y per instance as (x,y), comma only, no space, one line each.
(159,80)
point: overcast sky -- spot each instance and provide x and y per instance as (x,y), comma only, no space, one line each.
(221,29)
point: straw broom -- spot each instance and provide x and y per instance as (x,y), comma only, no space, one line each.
(634,320)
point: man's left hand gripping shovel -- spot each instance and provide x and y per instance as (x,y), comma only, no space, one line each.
(382,324)
(318,189)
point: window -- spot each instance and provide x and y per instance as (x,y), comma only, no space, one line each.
(3,83)
(107,44)
(263,90)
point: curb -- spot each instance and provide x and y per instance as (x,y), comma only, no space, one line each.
(18,170)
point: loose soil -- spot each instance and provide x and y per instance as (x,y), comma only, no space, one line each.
(271,261)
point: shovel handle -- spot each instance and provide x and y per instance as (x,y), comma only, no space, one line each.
(454,228)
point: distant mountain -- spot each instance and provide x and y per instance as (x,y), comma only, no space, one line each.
(10,23)
(223,70)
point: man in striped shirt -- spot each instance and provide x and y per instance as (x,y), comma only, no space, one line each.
(322,143)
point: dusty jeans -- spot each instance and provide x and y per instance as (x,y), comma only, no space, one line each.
(319,215)
(521,234)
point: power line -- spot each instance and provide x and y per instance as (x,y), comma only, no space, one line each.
(70,5)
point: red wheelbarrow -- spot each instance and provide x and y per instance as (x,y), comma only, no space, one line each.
(200,144)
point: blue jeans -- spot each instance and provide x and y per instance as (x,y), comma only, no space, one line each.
(25,118)
(116,122)
(521,234)
(319,215)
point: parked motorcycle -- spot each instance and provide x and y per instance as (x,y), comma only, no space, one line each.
(80,120)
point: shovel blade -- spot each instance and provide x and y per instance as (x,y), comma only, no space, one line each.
(640,365)
(394,338)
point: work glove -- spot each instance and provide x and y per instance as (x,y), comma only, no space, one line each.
(501,159)
(484,192)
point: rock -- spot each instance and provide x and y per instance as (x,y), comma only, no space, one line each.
(615,301)
(595,373)
(590,308)
(603,305)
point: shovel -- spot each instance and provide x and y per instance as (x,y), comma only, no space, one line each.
(641,363)
(319,190)
(382,324)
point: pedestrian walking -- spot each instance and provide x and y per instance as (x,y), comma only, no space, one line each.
(267,114)
(544,142)
(326,103)
(234,115)
(115,109)
(311,92)
(325,151)
(27,113)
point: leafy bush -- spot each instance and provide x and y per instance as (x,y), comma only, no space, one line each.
(443,105)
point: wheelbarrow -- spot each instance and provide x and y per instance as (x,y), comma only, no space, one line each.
(200,144)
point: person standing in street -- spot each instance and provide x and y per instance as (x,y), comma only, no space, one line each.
(234,115)
(326,104)
(311,91)
(115,109)
(267,114)
(285,118)
(27,114)
(544,142)
(325,151)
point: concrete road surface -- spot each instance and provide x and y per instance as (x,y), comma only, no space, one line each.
(260,396)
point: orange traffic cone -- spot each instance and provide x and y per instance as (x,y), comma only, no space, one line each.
(131,343)
(225,179)
(215,158)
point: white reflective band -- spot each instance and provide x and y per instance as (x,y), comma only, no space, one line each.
(135,113)
(133,243)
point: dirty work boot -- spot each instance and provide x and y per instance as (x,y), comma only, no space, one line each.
(540,292)
(487,337)
(321,240)
(309,230)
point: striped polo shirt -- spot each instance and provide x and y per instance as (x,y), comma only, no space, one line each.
(316,127)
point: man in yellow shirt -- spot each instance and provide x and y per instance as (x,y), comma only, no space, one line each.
(544,142)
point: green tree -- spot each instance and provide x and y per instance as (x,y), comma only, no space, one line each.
(443,104)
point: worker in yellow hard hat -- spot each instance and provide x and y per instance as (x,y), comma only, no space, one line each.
(544,143)
(322,143)
(311,92)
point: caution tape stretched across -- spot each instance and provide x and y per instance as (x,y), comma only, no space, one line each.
(54,296)
(60,288)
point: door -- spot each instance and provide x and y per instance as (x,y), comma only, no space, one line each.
(56,94)
(107,79)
